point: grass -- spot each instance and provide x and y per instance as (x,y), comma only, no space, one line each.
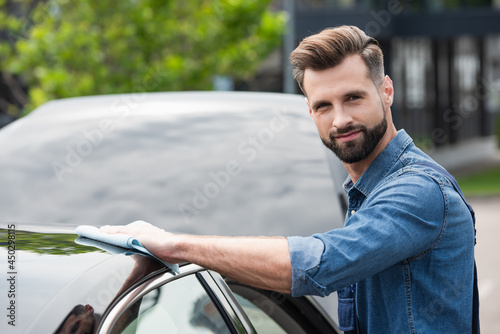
(486,183)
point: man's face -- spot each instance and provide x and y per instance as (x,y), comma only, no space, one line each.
(81,320)
(348,109)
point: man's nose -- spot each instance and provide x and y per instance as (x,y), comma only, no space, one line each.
(341,118)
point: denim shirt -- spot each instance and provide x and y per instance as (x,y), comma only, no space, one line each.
(407,245)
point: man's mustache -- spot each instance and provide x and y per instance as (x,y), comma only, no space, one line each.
(347,129)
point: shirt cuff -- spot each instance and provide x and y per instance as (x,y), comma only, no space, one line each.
(305,256)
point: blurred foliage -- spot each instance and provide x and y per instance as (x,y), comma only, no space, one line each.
(13,26)
(45,243)
(424,142)
(497,130)
(87,47)
(481,184)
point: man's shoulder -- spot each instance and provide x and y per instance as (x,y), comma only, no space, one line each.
(413,162)
(425,170)
(412,181)
(411,178)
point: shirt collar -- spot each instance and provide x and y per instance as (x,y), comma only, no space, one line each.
(382,165)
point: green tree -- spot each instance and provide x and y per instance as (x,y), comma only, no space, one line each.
(12,95)
(88,47)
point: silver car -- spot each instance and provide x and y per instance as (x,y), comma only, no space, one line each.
(222,163)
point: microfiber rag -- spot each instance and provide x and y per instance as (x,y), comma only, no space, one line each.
(115,243)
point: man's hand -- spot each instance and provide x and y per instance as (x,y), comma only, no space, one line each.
(263,262)
(157,241)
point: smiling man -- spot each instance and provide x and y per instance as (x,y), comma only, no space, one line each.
(408,238)
(404,261)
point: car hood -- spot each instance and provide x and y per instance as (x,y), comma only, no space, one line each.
(50,274)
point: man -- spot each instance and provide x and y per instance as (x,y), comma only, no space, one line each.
(406,252)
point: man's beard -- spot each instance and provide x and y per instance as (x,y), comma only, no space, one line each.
(355,151)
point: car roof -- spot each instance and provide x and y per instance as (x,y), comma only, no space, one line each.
(194,162)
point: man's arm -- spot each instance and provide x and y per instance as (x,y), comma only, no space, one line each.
(262,262)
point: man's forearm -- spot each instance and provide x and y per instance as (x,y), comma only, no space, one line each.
(262,262)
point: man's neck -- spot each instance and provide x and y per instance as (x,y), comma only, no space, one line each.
(356,170)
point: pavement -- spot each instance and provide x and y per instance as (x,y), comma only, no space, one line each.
(472,156)
(488,268)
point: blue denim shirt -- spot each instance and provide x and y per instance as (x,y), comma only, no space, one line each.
(407,244)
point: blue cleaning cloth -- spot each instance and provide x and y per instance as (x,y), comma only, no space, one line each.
(115,243)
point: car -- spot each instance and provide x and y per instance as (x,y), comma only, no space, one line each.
(223,163)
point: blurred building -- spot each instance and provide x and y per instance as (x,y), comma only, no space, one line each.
(443,56)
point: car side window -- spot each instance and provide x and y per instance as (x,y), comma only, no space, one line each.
(267,310)
(260,320)
(180,306)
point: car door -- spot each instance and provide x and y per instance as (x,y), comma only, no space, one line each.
(168,303)
(201,301)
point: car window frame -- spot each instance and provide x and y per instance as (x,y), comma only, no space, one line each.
(235,319)
(220,291)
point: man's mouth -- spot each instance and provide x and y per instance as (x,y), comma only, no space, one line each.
(345,137)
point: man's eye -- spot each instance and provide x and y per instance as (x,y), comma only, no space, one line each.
(321,106)
(353,98)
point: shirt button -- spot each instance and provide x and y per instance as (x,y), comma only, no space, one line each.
(353,212)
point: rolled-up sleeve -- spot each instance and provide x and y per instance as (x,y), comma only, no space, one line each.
(305,255)
(402,220)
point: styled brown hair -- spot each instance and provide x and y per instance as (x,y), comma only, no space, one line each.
(331,46)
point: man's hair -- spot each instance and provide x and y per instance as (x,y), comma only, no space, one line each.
(331,46)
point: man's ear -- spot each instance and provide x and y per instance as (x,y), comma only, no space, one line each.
(388,91)
(309,106)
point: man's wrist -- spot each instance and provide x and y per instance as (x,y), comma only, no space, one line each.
(174,248)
